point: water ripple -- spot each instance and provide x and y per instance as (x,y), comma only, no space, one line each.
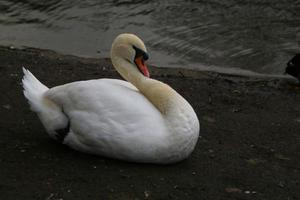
(258,35)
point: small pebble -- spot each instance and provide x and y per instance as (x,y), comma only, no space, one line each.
(209,119)
(7,106)
(13,75)
(233,190)
(147,194)
(281,157)
(235,110)
(209,100)
(280,184)
(237,91)
(210,151)
(50,196)
(254,161)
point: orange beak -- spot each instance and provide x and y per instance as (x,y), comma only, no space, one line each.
(140,63)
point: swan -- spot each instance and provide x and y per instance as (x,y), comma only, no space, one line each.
(138,120)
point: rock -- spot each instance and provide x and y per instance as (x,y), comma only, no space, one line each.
(233,190)
(235,110)
(254,161)
(209,119)
(147,194)
(281,157)
(7,106)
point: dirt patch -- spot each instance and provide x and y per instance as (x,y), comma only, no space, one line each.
(249,145)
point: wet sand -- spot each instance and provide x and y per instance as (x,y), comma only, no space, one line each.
(249,145)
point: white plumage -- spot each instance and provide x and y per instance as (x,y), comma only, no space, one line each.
(141,121)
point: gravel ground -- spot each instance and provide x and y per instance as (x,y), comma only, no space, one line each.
(249,145)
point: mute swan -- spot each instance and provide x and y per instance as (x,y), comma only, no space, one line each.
(142,120)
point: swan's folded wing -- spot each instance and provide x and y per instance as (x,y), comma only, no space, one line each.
(113,106)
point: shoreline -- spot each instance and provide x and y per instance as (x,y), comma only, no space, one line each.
(214,70)
(248,149)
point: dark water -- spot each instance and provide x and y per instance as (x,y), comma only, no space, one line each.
(255,35)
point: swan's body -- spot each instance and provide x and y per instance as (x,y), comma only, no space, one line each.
(142,121)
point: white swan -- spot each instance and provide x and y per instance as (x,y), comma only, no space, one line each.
(142,120)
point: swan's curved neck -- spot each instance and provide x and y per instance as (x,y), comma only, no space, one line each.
(159,94)
(179,116)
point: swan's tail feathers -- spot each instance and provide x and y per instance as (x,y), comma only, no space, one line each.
(33,90)
(49,112)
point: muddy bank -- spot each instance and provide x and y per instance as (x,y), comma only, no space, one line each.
(249,146)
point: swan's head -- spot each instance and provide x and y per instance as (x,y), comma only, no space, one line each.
(131,49)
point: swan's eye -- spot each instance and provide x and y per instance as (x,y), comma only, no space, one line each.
(140,53)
